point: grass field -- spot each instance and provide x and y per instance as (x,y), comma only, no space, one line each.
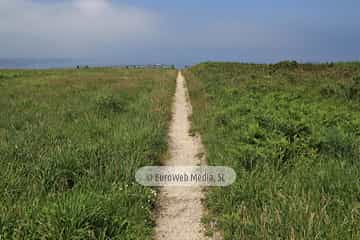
(292,133)
(70,143)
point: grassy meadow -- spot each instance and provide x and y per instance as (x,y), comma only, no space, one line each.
(292,134)
(70,143)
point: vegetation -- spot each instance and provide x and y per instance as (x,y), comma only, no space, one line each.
(70,143)
(292,133)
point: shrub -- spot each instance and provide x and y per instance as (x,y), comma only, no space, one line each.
(110,104)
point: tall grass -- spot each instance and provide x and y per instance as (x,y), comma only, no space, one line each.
(70,143)
(292,133)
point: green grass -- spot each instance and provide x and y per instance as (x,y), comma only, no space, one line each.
(292,134)
(70,143)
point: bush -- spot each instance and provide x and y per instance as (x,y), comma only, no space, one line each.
(110,104)
(353,90)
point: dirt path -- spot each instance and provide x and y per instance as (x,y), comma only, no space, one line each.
(180,208)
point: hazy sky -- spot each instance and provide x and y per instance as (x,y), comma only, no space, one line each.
(180,31)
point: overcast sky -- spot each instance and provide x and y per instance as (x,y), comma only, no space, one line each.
(180,31)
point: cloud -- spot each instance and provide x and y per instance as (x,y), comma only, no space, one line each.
(92,6)
(109,32)
(78,27)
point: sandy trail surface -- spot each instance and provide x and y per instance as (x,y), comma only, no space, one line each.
(180,208)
